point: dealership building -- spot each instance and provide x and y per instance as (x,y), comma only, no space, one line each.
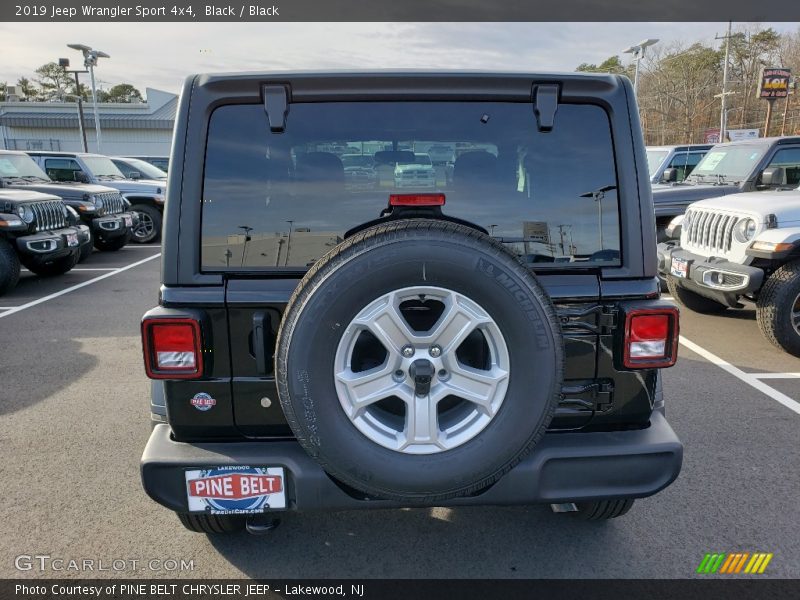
(139,128)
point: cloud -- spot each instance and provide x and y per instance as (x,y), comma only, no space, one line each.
(160,55)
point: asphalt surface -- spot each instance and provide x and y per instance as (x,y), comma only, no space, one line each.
(74,420)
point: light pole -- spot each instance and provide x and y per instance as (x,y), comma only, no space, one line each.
(638,55)
(64,62)
(723,113)
(90,57)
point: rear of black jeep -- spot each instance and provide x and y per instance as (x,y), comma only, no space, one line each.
(491,336)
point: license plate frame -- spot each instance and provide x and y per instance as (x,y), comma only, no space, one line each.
(128,221)
(679,267)
(235,489)
(72,240)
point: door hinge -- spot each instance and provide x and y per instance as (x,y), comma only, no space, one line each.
(276,105)
(596,395)
(604,323)
(545,105)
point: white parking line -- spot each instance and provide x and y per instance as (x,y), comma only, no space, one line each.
(775,375)
(94,269)
(7,307)
(78,286)
(751,379)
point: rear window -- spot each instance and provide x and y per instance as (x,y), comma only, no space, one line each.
(282,200)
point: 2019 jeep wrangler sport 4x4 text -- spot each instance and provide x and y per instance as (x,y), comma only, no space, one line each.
(495,338)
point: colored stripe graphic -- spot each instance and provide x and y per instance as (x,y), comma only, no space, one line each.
(724,563)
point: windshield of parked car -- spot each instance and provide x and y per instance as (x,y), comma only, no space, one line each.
(20,167)
(357,160)
(654,160)
(282,200)
(145,169)
(728,163)
(102,167)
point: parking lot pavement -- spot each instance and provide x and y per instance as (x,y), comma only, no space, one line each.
(74,420)
(32,288)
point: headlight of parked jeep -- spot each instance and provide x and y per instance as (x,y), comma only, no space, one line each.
(25,213)
(745,230)
(98,202)
(673,230)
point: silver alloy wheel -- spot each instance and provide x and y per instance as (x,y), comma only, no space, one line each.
(461,399)
(795,316)
(145,227)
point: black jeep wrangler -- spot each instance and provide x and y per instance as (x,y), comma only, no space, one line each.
(39,231)
(102,208)
(491,338)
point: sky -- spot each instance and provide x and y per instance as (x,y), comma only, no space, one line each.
(161,55)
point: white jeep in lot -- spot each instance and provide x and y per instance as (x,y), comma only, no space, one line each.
(740,246)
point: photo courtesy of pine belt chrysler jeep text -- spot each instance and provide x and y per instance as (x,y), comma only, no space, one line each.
(457,324)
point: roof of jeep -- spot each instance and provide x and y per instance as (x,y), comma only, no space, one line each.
(323,73)
(760,141)
(681,147)
(399,81)
(67,154)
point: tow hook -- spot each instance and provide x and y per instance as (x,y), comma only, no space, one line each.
(421,370)
(261,524)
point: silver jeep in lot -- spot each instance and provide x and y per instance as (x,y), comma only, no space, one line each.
(742,246)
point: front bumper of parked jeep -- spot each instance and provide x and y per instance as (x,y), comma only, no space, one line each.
(54,243)
(711,277)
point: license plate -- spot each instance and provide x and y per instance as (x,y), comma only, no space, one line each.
(235,490)
(128,221)
(680,267)
(72,239)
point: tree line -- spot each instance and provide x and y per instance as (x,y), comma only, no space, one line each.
(51,82)
(678,83)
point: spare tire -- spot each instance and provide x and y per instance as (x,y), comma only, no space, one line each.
(419,361)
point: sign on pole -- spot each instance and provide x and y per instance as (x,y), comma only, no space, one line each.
(743,134)
(711,136)
(536,231)
(774,83)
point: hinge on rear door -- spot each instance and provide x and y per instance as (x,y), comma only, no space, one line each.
(573,319)
(276,105)
(607,319)
(596,395)
(545,105)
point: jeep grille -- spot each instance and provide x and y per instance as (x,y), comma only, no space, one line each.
(49,215)
(710,230)
(113,203)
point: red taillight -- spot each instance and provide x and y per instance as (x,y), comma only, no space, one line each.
(172,348)
(416,199)
(651,338)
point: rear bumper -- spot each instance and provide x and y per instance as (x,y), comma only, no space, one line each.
(740,279)
(564,467)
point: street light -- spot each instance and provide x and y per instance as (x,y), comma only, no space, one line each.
(64,63)
(90,57)
(638,55)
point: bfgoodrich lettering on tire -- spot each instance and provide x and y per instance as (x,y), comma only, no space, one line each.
(419,361)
